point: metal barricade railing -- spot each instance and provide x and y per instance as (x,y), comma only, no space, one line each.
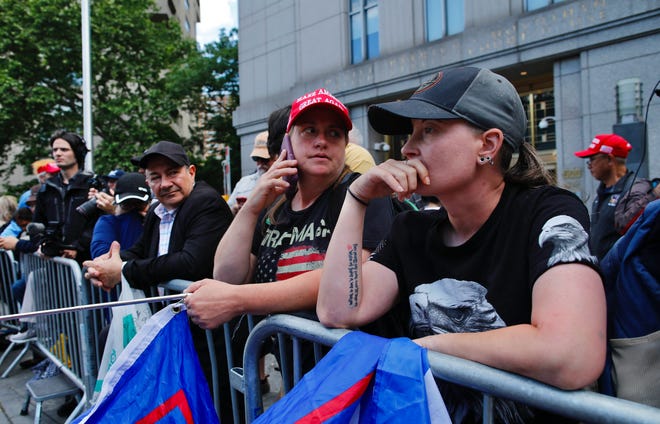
(235,373)
(64,338)
(9,274)
(581,404)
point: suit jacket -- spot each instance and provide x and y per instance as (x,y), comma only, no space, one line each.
(200,223)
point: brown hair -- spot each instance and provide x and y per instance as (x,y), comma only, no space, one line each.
(528,169)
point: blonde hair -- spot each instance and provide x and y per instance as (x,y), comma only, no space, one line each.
(8,206)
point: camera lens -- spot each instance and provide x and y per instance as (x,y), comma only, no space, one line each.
(88,208)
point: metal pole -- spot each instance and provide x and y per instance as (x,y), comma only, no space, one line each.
(94,306)
(87,83)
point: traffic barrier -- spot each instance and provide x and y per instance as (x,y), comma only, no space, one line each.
(582,405)
(8,274)
(69,339)
(63,338)
(9,271)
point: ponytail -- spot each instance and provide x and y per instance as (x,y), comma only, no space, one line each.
(528,169)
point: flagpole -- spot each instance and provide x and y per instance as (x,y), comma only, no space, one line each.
(94,306)
(87,82)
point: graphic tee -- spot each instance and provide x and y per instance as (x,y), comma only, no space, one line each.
(296,242)
(487,282)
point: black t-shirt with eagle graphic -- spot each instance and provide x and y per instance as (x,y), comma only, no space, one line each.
(487,282)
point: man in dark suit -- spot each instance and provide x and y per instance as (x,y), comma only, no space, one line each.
(180,236)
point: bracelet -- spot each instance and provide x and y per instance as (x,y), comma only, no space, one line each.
(360,201)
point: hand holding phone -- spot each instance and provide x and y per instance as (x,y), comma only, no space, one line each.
(291,179)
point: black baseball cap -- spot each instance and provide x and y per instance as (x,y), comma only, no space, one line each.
(477,95)
(170,150)
(131,185)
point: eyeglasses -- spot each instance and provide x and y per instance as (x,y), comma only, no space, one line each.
(260,160)
(592,159)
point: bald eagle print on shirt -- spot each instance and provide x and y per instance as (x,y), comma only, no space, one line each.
(451,306)
(569,240)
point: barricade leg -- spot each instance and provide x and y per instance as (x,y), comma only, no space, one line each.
(16,360)
(26,404)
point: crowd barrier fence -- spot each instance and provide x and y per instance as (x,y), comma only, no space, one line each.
(71,340)
(65,339)
(8,306)
(582,405)
(9,274)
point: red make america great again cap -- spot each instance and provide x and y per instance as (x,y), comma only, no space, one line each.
(609,144)
(318,98)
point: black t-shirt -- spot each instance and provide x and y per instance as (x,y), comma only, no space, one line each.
(298,240)
(487,282)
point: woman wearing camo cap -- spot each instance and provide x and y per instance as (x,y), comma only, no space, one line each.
(501,274)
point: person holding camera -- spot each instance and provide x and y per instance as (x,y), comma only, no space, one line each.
(68,232)
(131,202)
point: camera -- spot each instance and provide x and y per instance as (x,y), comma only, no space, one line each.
(88,208)
(51,242)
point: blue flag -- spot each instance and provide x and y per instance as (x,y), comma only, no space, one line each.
(156,379)
(364,379)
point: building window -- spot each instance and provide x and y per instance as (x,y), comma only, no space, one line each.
(186,4)
(540,110)
(539,4)
(444,17)
(364,30)
(186,25)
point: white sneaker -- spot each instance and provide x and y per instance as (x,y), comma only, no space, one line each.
(30,333)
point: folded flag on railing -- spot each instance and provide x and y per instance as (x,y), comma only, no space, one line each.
(364,379)
(157,377)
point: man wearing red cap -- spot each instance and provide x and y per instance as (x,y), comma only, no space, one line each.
(606,160)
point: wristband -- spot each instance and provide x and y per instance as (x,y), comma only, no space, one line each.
(360,201)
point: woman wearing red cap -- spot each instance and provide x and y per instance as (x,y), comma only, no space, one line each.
(289,222)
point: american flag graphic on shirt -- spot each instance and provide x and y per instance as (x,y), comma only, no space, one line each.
(298,260)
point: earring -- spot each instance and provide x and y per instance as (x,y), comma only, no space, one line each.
(489,160)
(482,160)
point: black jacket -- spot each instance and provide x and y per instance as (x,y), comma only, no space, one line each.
(200,223)
(57,203)
(603,233)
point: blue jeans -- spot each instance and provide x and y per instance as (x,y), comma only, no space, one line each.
(18,289)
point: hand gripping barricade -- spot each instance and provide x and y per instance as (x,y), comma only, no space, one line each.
(580,404)
(68,339)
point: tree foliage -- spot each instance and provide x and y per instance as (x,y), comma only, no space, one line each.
(144,73)
(214,76)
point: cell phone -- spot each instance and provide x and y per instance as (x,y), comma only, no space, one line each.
(291,179)
(286,145)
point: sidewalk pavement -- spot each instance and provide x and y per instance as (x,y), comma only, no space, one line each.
(13,394)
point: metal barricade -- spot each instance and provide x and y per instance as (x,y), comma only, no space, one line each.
(8,305)
(9,274)
(580,404)
(235,374)
(64,338)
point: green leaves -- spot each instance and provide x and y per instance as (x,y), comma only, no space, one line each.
(144,73)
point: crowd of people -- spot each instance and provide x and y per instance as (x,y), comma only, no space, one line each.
(503,271)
